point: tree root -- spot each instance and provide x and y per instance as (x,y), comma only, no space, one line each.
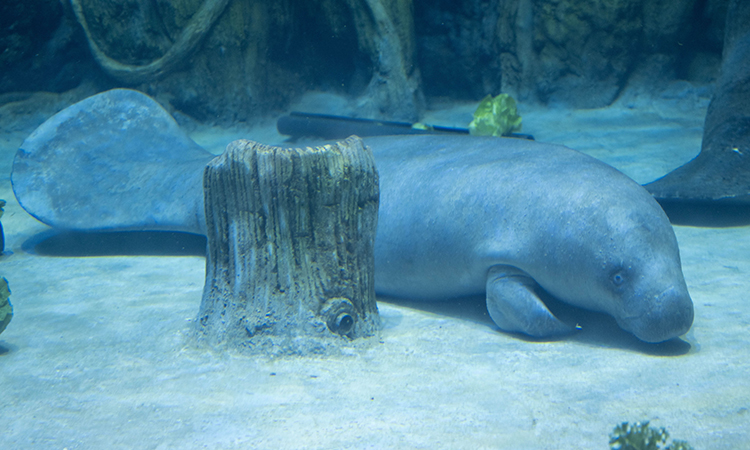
(191,35)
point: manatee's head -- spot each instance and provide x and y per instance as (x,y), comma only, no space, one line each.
(645,289)
(624,260)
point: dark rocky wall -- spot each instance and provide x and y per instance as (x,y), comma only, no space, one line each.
(459,47)
(579,53)
(40,49)
(259,55)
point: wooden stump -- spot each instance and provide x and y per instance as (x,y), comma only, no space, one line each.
(290,259)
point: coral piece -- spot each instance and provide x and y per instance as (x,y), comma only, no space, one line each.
(640,436)
(496,116)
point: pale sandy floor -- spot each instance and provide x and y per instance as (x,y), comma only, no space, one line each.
(98,354)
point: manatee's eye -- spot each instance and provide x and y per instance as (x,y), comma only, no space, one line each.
(618,278)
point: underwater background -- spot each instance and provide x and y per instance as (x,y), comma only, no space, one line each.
(99,355)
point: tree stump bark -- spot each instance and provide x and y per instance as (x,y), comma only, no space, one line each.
(290,260)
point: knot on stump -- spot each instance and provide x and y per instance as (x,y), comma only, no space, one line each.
(340,315)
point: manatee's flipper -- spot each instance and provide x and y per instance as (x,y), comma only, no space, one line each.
(116,160)
(515,307)
(721,172)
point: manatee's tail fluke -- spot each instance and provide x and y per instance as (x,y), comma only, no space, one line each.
(116,160)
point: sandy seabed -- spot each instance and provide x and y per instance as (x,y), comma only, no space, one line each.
(99,353)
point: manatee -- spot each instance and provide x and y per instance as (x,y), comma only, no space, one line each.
(459,215)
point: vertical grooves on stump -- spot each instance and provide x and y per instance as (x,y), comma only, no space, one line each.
(290,243)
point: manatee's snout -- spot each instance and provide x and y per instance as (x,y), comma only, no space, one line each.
(667,315)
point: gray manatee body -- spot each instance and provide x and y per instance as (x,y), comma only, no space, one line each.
(458,215)
(463,216)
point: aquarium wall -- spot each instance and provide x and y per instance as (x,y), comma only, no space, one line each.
(222,61)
